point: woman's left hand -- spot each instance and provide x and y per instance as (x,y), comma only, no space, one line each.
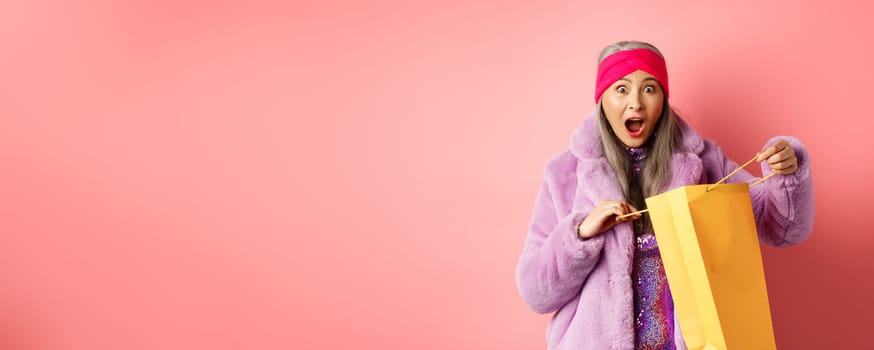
(780,157)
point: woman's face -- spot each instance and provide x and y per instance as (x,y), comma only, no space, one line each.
(633,105)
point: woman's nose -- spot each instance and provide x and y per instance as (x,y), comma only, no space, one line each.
(634,102)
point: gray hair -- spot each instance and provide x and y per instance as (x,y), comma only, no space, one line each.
(664,141)
(626,45)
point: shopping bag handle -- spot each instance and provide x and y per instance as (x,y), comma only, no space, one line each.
(713,185)
(738,169)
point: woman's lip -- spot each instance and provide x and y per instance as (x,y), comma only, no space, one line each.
(638,133)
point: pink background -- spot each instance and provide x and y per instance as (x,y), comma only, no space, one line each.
(313,175)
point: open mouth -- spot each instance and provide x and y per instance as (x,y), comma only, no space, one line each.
(634,126)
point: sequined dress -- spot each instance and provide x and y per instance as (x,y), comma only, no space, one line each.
(653,305)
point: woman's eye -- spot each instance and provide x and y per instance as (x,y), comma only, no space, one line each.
(622,89)
(649,89)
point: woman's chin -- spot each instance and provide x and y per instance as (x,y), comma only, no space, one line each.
(630,141)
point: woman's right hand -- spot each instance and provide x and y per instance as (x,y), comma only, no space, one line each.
(604,216)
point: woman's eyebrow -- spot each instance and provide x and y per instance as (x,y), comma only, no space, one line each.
(644,79)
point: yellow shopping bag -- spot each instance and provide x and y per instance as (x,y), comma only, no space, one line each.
(709,246)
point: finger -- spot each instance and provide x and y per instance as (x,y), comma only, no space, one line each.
(620,210)
(786,171)
(626,208)
(773,149)
(786,164)
(781,144)
(617,212)
(632,209)
(766,153)
(627,213)
(783,155)
(780,157)
(632,217)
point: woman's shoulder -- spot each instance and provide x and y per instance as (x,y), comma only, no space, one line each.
(561,164)
(712,159)
(710,149)
(560,172)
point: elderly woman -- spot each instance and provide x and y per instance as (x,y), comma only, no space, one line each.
(602,275)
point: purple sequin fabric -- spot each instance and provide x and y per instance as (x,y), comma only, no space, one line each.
(638,154)
(653,305)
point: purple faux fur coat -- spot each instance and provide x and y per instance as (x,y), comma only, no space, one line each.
(587,283)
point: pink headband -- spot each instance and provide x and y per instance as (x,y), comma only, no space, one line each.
(621,63)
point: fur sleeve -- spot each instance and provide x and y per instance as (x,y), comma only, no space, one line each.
(555,261)
(783,204)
